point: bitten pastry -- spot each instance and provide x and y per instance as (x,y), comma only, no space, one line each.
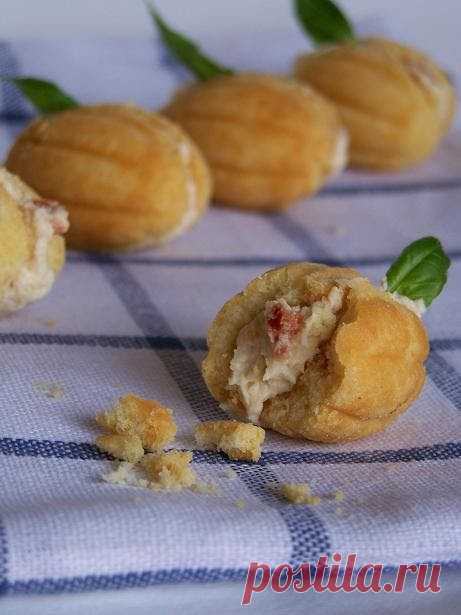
(32,248)
(316,352)
(396,103)
(130,178)
(268,140)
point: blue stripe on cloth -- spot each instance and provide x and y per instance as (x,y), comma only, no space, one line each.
(3,559)
(446,344)
(153,342)
(58,449)
(180,365)
(125,580)
(12,103)
(300,237)
(148,578)
(436,185)
(257,261)
(445,377)
(309,538)
(158,342)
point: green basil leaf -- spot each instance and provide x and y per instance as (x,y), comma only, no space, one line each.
(420,272)
(323,21)
(187,51)
(46,96)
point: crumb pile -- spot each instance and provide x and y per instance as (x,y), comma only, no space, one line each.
(141,423)
(135,425)
(137,430)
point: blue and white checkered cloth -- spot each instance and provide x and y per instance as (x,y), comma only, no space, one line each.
(114,324)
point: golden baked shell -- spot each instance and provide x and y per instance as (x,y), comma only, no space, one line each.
(268,140)
(129,178)
(395,102)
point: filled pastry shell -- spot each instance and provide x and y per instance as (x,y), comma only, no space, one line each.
(316,352)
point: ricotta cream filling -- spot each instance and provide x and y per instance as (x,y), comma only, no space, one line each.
(415,305)
(340,153)
(272,349)
(35,277)
(190,214)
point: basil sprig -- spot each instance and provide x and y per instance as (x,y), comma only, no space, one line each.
(46,96)
(186,51)
(323,21)
(420,272)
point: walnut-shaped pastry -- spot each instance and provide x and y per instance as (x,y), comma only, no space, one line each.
(129,178)
(320,353)
(268,139)
(395,101)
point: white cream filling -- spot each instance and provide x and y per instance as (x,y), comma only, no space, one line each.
(340,153)
(190,213)
(259,372)
(36,277)
(417,306)
(18,191)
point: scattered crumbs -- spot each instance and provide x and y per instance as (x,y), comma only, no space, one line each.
(123,474)
(333,229)
(207,488)
(122,446)
(50,390)
(240,503)
(339,496)
(391,467)
(170,470)
(230,474)
(51,324)
(299,494)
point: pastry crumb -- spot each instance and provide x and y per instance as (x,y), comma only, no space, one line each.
(339,496)
(123,474)
(299,493)
(239,441)
(240,503)
(230,474)
(50,390)
(170,471)
(148,419)
(206,488)
(122,446)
